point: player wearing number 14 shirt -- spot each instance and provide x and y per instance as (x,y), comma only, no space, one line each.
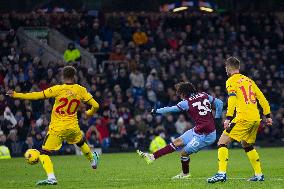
(64,123)
(199,107)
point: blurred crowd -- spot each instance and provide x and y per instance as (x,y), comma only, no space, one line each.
(140,58)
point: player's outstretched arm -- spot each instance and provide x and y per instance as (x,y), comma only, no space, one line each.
(181,106)
(94,108)
(166,110)
(26,96)
(47,93)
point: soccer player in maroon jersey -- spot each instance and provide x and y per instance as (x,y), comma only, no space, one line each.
(199,107)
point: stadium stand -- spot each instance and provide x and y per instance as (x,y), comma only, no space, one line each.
(139,58)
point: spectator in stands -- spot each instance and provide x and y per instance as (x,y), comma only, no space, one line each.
(117,133)
(182,125)
(131,129)
(117,55)
(137,79)
(14,144)
(159,141)
(93,135)
(11,38)
(5,125)
(94,140)
(169,124)
(3,104)
(83,122)
(140,37)
(38,140)
(123,79)
(5,152)
(28,144)
(22,130)
(3,139)
(72,54)
(103,130)
(33,129)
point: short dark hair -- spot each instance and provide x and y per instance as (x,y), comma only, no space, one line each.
(185,88)
(233,62)
(69,72)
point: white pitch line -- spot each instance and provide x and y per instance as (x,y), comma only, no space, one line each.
(197,178)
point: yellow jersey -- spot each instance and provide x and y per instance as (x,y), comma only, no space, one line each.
(67,100)
(243,95)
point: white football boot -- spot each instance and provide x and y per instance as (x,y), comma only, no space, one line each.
(182,176)
(149,158)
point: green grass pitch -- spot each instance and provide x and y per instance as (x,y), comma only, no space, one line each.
(127,170)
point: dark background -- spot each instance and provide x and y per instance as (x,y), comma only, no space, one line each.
(136,5)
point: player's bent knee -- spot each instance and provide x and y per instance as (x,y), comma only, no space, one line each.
(248,148)
(178,142)
(222,145)
(45,152)
(245,144)
(184,154)
(79,144)
(224,139)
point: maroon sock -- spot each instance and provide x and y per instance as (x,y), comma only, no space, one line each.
(164,151)
(185,164)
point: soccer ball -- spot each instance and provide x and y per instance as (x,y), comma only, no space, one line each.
(32,156)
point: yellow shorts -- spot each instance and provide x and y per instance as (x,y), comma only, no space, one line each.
(53,139)
(243,130)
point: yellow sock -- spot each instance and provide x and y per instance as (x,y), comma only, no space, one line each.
(255,162)
(46,163)
(223,154)
(87,151)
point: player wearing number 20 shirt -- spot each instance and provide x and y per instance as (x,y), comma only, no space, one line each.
(64,123)
(199,108)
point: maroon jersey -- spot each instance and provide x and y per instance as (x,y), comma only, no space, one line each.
(201,112)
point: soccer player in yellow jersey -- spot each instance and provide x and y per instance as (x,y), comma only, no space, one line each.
(64,123)
(243,95)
